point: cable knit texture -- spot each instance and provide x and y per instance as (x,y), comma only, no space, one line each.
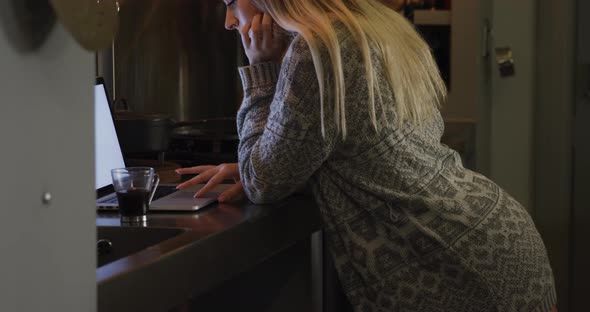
(408,227)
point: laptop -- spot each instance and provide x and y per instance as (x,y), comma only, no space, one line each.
(108,155)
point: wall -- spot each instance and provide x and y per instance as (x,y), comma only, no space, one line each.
(46,131)
(580,254)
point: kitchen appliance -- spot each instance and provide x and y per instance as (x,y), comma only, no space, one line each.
(143,132)
(204,142)
(176,58)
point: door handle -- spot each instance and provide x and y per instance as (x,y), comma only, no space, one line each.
(505,61)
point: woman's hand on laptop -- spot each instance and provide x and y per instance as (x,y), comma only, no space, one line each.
(215,175)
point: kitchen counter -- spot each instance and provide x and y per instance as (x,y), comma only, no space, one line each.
(221,242)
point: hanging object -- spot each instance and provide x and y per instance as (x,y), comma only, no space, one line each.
(92,23)
(26,23)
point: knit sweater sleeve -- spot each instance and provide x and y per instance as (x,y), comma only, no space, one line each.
(278,124)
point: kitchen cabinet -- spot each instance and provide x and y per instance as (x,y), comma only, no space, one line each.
(47,232)
(226,257)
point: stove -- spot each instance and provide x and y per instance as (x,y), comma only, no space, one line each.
(194,151)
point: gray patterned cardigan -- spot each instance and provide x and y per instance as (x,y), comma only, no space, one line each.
(408,227)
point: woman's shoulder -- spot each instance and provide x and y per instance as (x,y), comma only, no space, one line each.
(298,48)
(300,44)
(298,58)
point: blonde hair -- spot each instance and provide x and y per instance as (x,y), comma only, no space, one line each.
(408,63)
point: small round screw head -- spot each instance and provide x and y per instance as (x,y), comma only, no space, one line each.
(46,198)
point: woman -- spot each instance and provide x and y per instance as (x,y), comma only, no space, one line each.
(350,106)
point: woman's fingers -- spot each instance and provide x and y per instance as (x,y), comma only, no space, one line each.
(201,178)
(213,175)
(266,28)
(262,39)
(214,181)
(256,30)
(245,34)
(194,170)
(234,193)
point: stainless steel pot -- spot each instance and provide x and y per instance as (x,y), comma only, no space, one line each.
(143,132)
(223,129)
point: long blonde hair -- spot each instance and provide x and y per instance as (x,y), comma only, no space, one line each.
(408,63)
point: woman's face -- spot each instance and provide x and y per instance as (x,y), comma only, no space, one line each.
(238,13)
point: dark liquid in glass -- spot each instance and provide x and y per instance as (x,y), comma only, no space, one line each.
(133,202)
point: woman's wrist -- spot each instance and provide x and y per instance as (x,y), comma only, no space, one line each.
(260,74)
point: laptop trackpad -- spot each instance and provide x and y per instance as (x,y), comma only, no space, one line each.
(183,201)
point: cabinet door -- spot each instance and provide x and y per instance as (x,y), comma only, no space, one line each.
(47,213)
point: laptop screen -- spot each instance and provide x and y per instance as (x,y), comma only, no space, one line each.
(107,150)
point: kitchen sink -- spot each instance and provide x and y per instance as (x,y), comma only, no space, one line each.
(114,243)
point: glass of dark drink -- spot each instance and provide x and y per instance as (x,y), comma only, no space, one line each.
(134,187)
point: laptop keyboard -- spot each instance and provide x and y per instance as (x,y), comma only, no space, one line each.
(108,200)
(161,191)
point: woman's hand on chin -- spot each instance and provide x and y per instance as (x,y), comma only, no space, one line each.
(263,40)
